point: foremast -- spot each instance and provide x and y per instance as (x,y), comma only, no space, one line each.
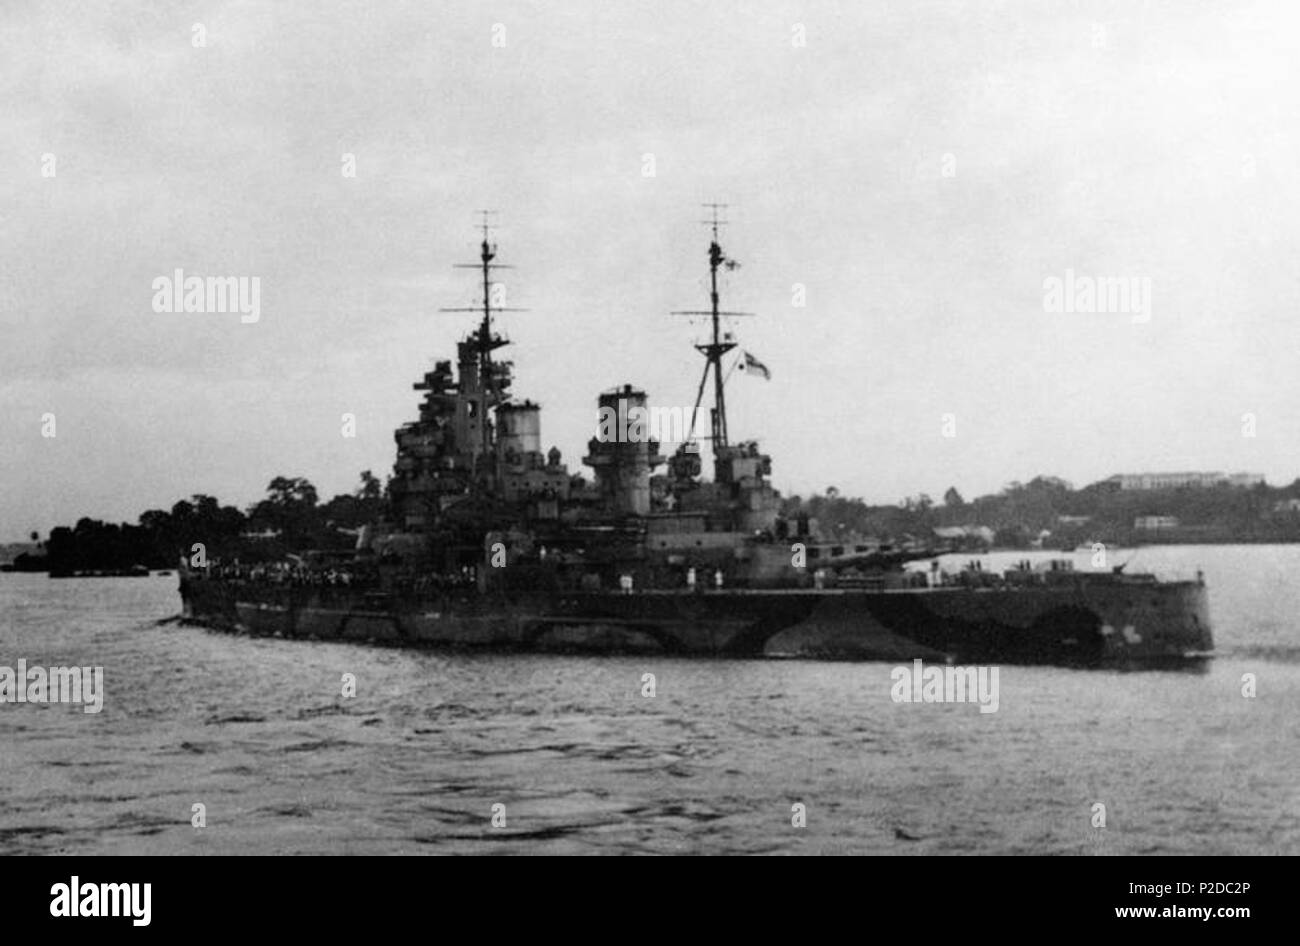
(493,377)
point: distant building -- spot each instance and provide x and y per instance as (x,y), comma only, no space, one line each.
(1153,523)
(1291,506)
(1132,481)
(263,534)
(1073,520)
(967,535)
(1245,479)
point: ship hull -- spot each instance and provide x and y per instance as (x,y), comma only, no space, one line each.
(1073,623)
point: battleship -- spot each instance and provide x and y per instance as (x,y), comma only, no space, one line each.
(489,542)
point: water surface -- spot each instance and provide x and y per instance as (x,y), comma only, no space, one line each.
(259,733)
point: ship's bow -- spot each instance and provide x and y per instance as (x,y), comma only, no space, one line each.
(1170,620)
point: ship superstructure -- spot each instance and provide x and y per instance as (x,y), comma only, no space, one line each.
(473,458)
(472,465)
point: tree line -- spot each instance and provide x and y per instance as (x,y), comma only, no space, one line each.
(291,518)
(1021,512)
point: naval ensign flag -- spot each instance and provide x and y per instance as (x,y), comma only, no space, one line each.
(753,364)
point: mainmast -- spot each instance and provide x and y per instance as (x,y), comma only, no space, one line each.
(720,345)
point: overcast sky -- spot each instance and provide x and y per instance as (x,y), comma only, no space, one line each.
(919,168)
